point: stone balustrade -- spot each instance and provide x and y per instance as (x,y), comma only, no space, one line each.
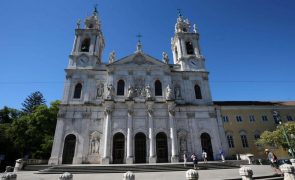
(66,176)
(289,171)
(192,174)
(8,176)
(129,176)
(246,173)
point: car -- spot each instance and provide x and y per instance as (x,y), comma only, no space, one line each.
(284,161)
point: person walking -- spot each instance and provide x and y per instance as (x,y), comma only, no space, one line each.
(195,160)
(273,161)
(221,153)
(204,156)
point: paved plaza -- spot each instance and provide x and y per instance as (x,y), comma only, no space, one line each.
(258,170)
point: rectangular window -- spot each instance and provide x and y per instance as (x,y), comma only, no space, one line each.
(289,118)
(225,118)
(264,118)
(239,118)
(252,118)
(230,141)
(244,141)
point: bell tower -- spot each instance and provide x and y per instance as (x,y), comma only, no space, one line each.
(89,43)
(185,46)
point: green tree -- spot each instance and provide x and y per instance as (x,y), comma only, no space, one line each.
(32,101)
(7,115)
(33,133)
(276,137)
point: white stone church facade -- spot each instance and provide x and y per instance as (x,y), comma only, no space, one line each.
(137,109)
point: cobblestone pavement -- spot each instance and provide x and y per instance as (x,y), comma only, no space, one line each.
(258,170)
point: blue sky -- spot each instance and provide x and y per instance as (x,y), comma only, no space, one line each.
(248,44)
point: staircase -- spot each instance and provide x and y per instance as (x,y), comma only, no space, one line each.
(122,168)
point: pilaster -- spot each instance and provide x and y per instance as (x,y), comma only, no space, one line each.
(129,158)
(172,128)
(152,154)
(107,132)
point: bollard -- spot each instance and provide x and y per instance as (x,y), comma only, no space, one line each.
(8,176)
(129,176)
(288,171)
(66,176)
(18,165)
(293,162)
(192,174)
(246,173)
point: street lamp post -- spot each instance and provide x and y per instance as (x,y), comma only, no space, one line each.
(277,117)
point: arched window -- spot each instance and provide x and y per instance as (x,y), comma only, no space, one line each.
(85,45)
(230,141)
(198,92)
(78,90)
(158,88)
(244,140)
(189,47)
(120,88)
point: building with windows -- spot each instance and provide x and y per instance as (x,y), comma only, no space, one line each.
(139,109)
(244,121)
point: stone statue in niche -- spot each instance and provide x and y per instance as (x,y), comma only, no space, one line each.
(100,90)
(169,93)
(112,57)
(177,92)
(110,91)
(182,145)
(94,143)
(130,92)
(165,57)
(148,92)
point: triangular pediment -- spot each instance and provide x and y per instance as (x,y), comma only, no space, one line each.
(138,58)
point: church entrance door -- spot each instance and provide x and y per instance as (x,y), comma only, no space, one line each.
(140,148)
(69,149)
(161,148)
(207,146)
(118,148)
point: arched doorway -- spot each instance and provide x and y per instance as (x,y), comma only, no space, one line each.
(207,146)
(69,149)
(140,148)
(118,148)
(161,148)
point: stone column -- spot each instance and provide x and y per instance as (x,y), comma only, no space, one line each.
(246,173)
(173,136)
(107,131)
(152,154)
(288,170)
(129,158)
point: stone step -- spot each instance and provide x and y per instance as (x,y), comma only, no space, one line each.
(135,168)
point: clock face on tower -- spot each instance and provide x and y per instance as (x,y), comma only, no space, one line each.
(83,60)
(194,64)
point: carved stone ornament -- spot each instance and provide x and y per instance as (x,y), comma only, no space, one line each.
(94,142)
(99,90)
(108,110)
(177,92)
(112,57)
(150,110)
(169,93)
(165,57)
(171,109)
(110,92)
(148,92)
(131,92)
(130,112)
